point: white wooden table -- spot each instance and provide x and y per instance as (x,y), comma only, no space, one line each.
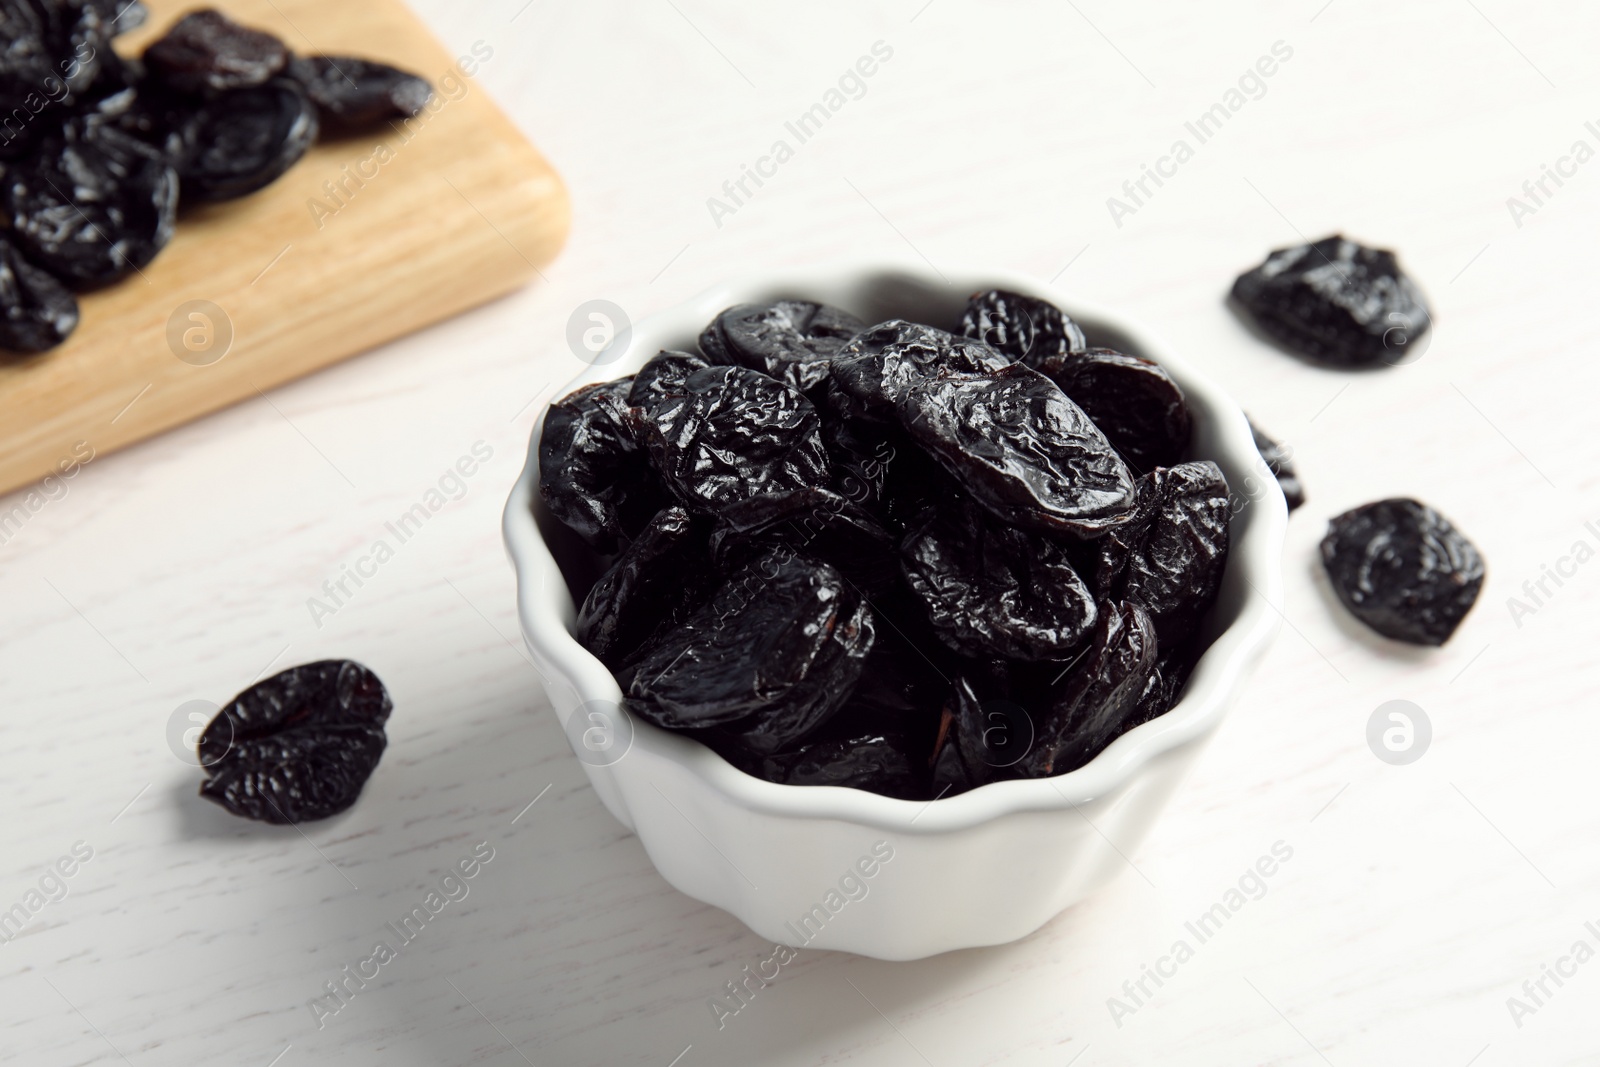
(1418,898)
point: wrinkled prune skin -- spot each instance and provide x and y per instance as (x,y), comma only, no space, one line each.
(1100,695)
(817,522)
(89,208)
(354,94)
(1133,401)
(593,475)
(1277,459)
(36,311)
(1336,301)
(791,340)
(663,378)
(652,584)
(881,366)
(240,141)
(879,762)
(734,434)
(1175,567)
(767,659)
(994,590)
(53,51)
(207,50)
(1027,329)
(982,737)
(1403,569)
(860,454)
(298,746)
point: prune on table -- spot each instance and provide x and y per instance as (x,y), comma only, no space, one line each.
(298,746)
(1028,329)
(817,522)
(995,590)
(36,311)
(1135,403)
(663,378)
(775,652)
(1403,569)
(207,50)
(1336,301)
(352,94)
(593,475)
(1279,462)
(1099,696)
(243,140)
(791,340)
(653,584)
(90,208)
(1175,566)
(735,433)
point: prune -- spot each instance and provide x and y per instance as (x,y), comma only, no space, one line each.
(1277,458)
(979,740)
(994,590)
(352,94)
(880,762)
(860,454)
(877,370)
(791,340)
(1335,301)
(651,584)
(1025,328)
(1099,696)
(1403,569)
(207,50)
(1175,567)
(90,209)
(298,746)
(663,378)
(734,434)
(817,522)
(768,659)
(36,311)
(243,140)
(1135,403)
(593,475)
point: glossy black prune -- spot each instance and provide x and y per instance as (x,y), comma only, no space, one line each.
(663,378)
(1278,458)
(791,340)
(1099,696)
(36,311)
(1133,401)
(1175,567)
(1336,301)
(860,454)
(298,746)
(652,584)
(878,369)
(876,761)
(90,208)
(1025,328)
(207,50)
(773,654)
(735,433)
(1403,569)
(994,590)
(243,140)
(980,740)
(593,475)
(817,522)
(352,94)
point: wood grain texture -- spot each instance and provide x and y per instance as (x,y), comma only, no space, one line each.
(366,239)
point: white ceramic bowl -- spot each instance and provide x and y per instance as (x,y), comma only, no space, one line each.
(983,868)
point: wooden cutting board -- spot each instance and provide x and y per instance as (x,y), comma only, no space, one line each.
(364,240)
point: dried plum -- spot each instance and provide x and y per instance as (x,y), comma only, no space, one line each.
(663,378)
(1336,301)
(768,659)
(979,740)
(651,585)
(881,366)
(298,746)
(1133,401)
(860,454)
(207,50)
(1025,328)
(994,590)
(1175,567)
(817,522)
(243,140)
(1278,459)
(881,762)
(593,475)
(791,340)
(352,94)
(1403,569)
(36,311)
(734,434)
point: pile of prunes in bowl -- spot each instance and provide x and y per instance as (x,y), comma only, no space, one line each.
(887,556)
